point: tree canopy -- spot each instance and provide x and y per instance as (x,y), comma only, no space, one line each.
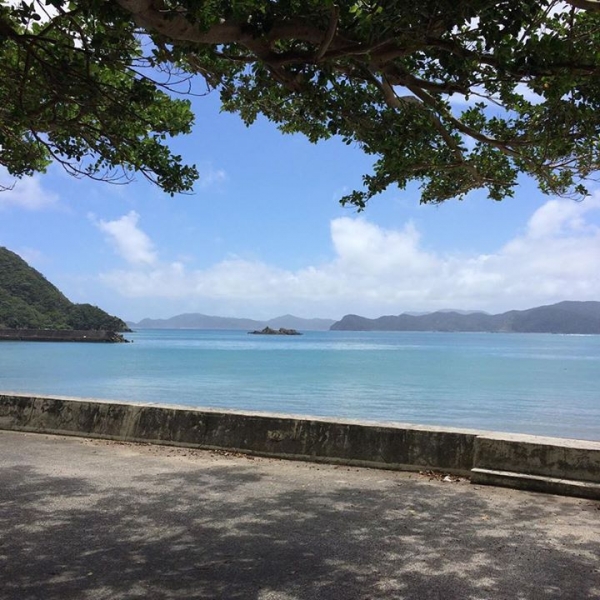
(457,95)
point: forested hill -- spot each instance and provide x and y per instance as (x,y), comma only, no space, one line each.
(564,317)
(29,301)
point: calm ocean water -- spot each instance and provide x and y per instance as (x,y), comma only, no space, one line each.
(531,383)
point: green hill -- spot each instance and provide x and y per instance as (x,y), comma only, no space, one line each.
(29,301)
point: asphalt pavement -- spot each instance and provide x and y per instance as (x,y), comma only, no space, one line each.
(95,520)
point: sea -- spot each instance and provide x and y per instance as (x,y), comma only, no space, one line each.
(540,384)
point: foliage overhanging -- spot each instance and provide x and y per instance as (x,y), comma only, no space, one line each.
(456,95)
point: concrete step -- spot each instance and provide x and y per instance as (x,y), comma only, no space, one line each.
(536,483)
(554,458)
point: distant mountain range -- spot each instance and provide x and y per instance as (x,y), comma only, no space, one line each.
(564,317)
(200,321)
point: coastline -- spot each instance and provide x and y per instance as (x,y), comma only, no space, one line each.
(61,335)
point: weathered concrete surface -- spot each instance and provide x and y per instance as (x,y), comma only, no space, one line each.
(95,520)
(550,457)
(552,465)
(569,467)
(385,446)
(536,483)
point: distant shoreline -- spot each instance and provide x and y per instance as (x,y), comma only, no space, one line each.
(61,335)
(567,317)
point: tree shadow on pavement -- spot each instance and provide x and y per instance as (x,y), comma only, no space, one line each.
(235,531)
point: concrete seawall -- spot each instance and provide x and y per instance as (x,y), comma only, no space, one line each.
(570,467)
(61,335)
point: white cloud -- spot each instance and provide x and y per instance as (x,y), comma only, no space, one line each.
(209,176)
(128,240)
(558,217)
(26,193)
(384,271)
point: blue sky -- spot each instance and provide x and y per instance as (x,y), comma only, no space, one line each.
(263,235)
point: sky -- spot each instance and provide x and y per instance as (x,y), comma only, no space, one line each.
(264,235)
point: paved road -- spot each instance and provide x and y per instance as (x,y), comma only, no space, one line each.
(94,520)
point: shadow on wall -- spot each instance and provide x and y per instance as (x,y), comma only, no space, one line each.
(205,534)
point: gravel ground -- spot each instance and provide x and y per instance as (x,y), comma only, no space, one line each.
(95,520)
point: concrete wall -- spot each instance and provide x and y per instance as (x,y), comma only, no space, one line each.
(60,335)
(499,459)
(540,456)
(398,447)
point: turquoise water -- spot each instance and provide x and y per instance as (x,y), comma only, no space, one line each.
(530,383)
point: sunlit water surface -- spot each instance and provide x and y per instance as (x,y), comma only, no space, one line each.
(531,383)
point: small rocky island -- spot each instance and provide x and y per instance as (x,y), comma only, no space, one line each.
(269,331)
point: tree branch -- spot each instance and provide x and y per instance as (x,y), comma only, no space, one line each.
(333,23)
(591,5)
